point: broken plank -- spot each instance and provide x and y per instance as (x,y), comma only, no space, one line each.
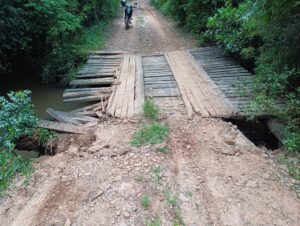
(60,127)
(62,117)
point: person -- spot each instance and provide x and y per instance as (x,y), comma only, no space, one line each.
(128,11)
(123,3)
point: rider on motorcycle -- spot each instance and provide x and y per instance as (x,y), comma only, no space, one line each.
(123,3)
(128,11)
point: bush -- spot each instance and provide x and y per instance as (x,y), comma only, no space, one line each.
(17,119)
(48,33)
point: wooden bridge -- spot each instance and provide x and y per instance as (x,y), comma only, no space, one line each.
(201,81)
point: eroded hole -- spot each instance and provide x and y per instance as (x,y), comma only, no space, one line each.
(257,132)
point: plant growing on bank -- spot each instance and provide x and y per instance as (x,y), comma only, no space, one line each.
(154,133)
(151,110)
(17,118)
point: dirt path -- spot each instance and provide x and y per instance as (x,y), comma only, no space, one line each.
(210,175)
(150,33)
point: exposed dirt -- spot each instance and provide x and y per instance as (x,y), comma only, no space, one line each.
(210,175)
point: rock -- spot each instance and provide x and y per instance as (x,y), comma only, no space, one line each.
(228,152)
(68,222)
(97,196)
(73,149)
(126,215)
(229,141)
(183,198)
(118,213)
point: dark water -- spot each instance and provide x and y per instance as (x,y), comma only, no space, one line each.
(257,132)
(43,96)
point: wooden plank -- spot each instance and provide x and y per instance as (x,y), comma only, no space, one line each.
(181,86)
(122,87)
(86,108)
(139,87)
(231,110)
(62,117)
(107,52)
(95,81)
(196,94)
(116,98)
(60,127)
(161,86)
(128,103)
(70,94)
(164,92)
(103,89)
(95,75)
(90,98)
(156,79)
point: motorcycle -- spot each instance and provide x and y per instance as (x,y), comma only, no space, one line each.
(128,15)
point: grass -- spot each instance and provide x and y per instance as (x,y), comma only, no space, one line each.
(145,201)
(157,174)
(292,163)
(155,222)
(10,165)
(151,111)
(92,38)
(154,133)
(172,200)
(162,150)
(190,194)
(178,221)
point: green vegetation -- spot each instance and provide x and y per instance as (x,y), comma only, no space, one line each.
(163,150)
(145,201)
(155,222)
(265,37)
(178,221)
(157,174)
(172,200)
(151,111)
(292,162)
(154,133)
(51,35)
(190,194)
(17,119)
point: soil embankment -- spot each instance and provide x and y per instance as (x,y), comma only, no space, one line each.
(210,174)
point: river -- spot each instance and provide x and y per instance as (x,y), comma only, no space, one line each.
(43,95)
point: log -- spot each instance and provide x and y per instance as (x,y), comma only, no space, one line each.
(60,127)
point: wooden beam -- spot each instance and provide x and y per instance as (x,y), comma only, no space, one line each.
(60,127)
(139,87)
(95,81)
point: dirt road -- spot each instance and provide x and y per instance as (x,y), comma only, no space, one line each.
(210,175)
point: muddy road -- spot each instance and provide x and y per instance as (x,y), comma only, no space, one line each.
(208,174)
